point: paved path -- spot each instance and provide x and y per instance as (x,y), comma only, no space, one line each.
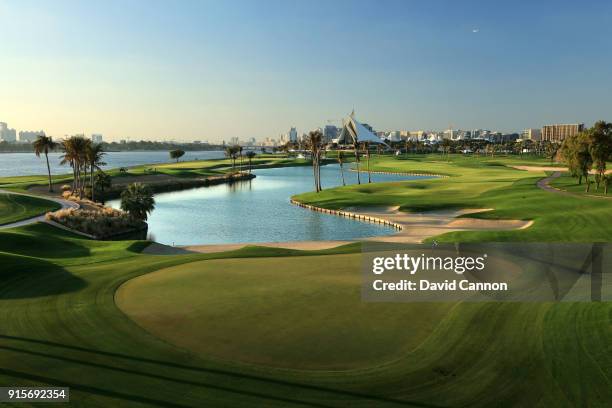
(62,202)
(544,184)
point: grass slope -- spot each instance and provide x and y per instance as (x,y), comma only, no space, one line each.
(14,207)
(273,328)
(60,325)
(480,183)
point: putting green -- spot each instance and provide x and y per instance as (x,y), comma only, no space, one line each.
(279,312)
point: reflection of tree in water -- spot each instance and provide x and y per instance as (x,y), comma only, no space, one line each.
(240,185)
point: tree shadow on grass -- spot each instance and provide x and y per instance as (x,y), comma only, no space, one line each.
(45,244)
(22,277)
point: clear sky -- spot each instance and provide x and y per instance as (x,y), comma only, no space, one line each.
(188,70)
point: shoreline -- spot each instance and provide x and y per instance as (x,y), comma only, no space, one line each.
(412,228)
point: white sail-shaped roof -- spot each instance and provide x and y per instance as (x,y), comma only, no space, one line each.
(353,131)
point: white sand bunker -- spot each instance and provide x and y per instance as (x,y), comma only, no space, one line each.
(418,226)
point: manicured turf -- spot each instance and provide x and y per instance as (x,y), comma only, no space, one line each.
(568,183)
(296,299)
(271,327)
(14,207)
(60,325)
(480,183)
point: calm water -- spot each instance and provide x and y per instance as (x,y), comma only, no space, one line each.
(256,211)
(24,164)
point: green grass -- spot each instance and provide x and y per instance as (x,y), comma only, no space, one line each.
(570,184)
(279,332)
(187,169)
(479,183)
(270,327)
(15,207)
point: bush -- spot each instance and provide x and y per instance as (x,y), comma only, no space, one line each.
(101,222)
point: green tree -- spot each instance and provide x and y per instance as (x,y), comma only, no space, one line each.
(75,149)
(231,152)
(366,148)
(102,182)
(93,155)
(600,146)
(356,148)
(576,152)
(341,163)
(315,144)
(177,154)
(250,155)
(137,200)
(43,144)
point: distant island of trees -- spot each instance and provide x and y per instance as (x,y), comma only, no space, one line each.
(142,145)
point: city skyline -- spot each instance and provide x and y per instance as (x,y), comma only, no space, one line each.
(212,70)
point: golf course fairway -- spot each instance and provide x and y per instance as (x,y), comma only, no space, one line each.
(276,327)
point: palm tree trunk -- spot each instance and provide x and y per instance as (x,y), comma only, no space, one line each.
(369,174)
(49,172)
(357,163)
(342,174)
(91,175)
(319,173)
(314,174)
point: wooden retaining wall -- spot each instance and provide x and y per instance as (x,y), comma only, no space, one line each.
(348,214)
(401,173)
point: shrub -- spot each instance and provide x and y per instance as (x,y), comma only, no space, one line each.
(100,222)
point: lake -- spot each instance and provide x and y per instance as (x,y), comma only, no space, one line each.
(257,210)
(26,164)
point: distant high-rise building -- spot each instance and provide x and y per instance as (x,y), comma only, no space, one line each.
(27,136)
(96,138)
(330,132)
(531,134)
(293,136)
(557,133)
(6,134)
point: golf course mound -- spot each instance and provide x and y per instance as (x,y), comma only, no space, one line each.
(295,313)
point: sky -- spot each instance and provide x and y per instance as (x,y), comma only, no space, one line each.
(210,70)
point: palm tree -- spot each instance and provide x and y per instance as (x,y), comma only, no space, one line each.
(239,149)
(356,148)
(366,147)
(102,182)
(43,144)
(231,152)
(93,154)
(446,144)
(250,155)
(75,154)
(341,162)
(314,138)
(137,200)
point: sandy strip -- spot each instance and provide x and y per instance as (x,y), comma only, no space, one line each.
(416,227)
(550,168)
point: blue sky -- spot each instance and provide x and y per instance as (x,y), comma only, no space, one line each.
(211,70)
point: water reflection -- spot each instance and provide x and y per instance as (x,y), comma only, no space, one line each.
(257,211)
